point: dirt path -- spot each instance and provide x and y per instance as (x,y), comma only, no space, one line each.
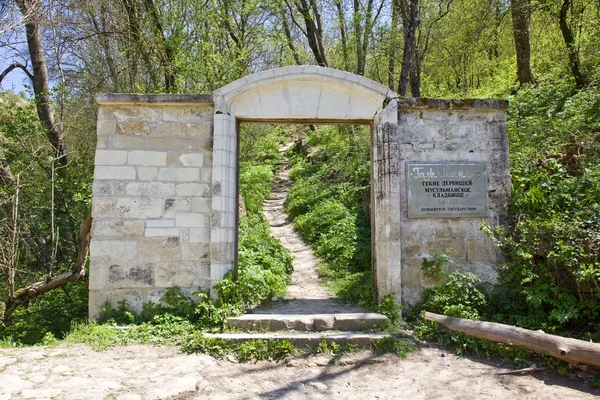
(306,294)
(149,372)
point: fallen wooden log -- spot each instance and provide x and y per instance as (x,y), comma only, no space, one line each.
(571,350)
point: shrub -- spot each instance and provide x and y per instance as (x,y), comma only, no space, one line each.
(461,296)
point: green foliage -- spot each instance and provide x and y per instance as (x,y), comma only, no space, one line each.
(461,296)
(255,185)
(252,350)
(551,280)
(394,345)
(51,314)
(162,330)
(330,172)
(272,350)
(390,307)
(437,267)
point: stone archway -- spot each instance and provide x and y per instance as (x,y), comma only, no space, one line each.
(165,180)
(305,94)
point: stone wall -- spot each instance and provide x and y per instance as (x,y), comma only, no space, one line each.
(152,198)
(165,183)
(446,130)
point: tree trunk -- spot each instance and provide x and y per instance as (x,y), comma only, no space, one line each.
(313,31)
(342,22)
(41,87)
(166,51)
(288,36)
(569,38)
(571,350)
(392,45)
(415,76)
(410,23)
(521,17)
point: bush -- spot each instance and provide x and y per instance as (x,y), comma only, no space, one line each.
(461,296)
(551,280)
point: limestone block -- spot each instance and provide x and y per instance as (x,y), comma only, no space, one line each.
(132,127)
(154,250)
(173,174)
(201,204)
(207,157)
(182,129)
(113,172)
(124,142)
(103,188)
(133,297)
(111,157)
(161,144)
(461,228)
(158,189)
(440,245)
(324,322)
(206,175)
(216,220)
(204,284)
(191,220)
(101,142)
(98,273)
(195,114)
(181,273)
(117,228)
(174,204)
(160,223)
(186,159)
(125,277)
(139,207)
(199,235)
(222,252)
(147,173)
(104,207)
(119,251)
(166,232)
(476,249)
(485,271)
(155,295)
(147,158)
(106,127)
(192,189)
(411,249)
(195,251)
(442,230)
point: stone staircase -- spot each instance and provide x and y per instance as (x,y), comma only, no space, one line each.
(308,314)
(307,329)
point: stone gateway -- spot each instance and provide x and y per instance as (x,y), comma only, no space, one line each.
(165,182)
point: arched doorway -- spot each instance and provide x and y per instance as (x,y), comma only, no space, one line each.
(307,94)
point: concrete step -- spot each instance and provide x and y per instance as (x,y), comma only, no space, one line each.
(308,322)
(302,339)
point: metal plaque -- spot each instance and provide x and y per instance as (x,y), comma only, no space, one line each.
(446,189)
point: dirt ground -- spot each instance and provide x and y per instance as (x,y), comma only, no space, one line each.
(148,372)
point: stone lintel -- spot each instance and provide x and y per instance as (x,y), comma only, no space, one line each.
(161,99)
(452,104)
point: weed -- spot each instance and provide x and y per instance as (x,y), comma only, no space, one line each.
(272,350)
(437,267)
(392,344)
(390,307)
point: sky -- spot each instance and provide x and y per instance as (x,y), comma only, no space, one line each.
(16,79)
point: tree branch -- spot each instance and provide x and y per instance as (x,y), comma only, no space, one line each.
(13,66)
